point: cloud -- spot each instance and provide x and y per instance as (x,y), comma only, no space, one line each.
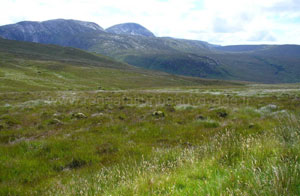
(219,22)
(287,6)
(262,36)
(221,25)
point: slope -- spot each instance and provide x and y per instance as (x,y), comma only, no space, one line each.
(28,66)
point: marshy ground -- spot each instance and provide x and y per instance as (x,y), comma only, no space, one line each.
(174,141)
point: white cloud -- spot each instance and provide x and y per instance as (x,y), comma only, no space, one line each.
(216,21)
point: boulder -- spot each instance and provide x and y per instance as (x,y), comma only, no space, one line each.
(79,115)
(158,114)
(55,121)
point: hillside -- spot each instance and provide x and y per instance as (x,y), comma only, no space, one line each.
(30,66)
(256,63)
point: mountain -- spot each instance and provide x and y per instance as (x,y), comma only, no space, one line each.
(130,29)
(256,63)
(26,66)
(51,31)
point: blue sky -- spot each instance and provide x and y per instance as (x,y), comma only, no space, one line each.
(216,21)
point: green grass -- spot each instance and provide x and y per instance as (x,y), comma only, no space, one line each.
(120,148)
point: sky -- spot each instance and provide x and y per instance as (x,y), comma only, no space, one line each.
(223,22)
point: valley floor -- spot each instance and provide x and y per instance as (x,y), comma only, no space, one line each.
(175,141)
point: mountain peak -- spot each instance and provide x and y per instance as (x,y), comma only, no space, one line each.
(130,29)
(46,31)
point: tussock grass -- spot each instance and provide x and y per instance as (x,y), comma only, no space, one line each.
(120,148)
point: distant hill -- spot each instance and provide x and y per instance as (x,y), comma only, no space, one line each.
(130,29)
(133,44)
(26,66)
(241,48)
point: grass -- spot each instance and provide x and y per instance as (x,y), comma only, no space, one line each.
(121,148)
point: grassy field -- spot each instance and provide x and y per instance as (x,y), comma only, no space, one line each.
(168,141)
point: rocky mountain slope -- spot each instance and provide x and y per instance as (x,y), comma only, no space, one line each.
(130,29)
(51,31)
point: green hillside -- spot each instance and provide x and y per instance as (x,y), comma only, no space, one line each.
(30,66)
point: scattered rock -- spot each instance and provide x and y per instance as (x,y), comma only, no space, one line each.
(158,114)
(269,108)
(55,121)
(280,112)
(56,115)
(79,115)
(7,105)
(97,114)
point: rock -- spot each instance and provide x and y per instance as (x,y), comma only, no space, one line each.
(55,122)
(97,114)
(7,105)
(158,114)
(79,115)
(269,108)
(56,115)
(272,106)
